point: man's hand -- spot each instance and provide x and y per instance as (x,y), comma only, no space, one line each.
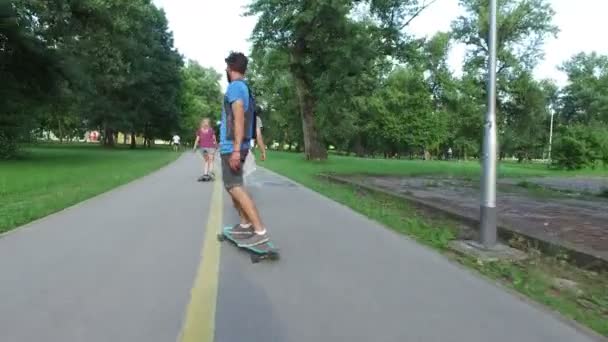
(235,160)
(263,155)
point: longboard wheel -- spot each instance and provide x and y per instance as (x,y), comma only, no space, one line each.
(274,256)
(255,258)
(221,237)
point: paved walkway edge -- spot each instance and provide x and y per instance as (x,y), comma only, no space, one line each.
(555,314)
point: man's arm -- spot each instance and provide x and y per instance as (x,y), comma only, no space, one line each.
(238,110)
(260,140)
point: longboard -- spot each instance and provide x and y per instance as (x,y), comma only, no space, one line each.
(205,179)
(257,253)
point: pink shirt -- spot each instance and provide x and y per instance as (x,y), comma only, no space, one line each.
(206,139)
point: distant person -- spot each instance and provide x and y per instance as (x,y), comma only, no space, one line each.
(236,130)
(176,140)
(259,138)
(450,153)
(250,165)
(206,142)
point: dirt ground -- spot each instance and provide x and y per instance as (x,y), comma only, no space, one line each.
(567,219)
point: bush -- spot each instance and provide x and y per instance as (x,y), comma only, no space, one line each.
(580,146)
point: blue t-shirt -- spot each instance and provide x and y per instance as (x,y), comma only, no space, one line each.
(237,90)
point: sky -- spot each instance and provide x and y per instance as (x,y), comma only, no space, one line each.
(207,30)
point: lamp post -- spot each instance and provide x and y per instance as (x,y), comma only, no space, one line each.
(488,183)
(550,135)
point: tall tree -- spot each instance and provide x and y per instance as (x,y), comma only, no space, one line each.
(276,93)
(201,96)
(585,98)
(523,27)
(29,71)
(106,64)
(314,35)
(527,126)
(407,119)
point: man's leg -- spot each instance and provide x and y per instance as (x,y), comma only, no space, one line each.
(249,210)
(233,181)
(244,221)
(246,207)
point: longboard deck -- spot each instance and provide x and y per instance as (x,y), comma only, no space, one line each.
(259,252)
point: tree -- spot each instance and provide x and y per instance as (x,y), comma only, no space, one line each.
(29,71)
(523,26)
(67,65)
(407,119)
(585,98)
(275,91)
(316,35)
(134,75)
(578,146)
(201,96)
(526,128)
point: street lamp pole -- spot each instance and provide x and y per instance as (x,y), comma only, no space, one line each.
(488,184)
(550,135)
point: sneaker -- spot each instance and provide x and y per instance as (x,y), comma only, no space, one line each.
(240,232)
(254,240)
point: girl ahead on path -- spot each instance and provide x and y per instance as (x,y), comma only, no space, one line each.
(207,143)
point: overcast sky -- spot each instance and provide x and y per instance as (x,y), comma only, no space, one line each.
(207,30)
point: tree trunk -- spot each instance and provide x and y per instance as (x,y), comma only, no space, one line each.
(133,142)
(146,137)
(313,149)
(312,146)
(108,137)
(359,150)
(60,129)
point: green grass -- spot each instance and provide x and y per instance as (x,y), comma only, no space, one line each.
(47,179)
(470,169)
(532,278)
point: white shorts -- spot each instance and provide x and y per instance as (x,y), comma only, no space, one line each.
(207,150)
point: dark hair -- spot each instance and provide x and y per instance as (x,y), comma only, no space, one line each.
(237,61)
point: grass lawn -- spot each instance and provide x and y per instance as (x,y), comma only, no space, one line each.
(532,278)
(470,169)
(49,178)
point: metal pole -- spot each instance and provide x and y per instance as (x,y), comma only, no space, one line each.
(550,135)
(488,184)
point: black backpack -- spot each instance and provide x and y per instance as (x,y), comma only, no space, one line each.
(250,116)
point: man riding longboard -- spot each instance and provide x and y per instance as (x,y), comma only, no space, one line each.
(236,131)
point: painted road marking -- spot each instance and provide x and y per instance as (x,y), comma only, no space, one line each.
(199,324)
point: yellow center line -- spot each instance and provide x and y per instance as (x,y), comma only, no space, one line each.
(199,324)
